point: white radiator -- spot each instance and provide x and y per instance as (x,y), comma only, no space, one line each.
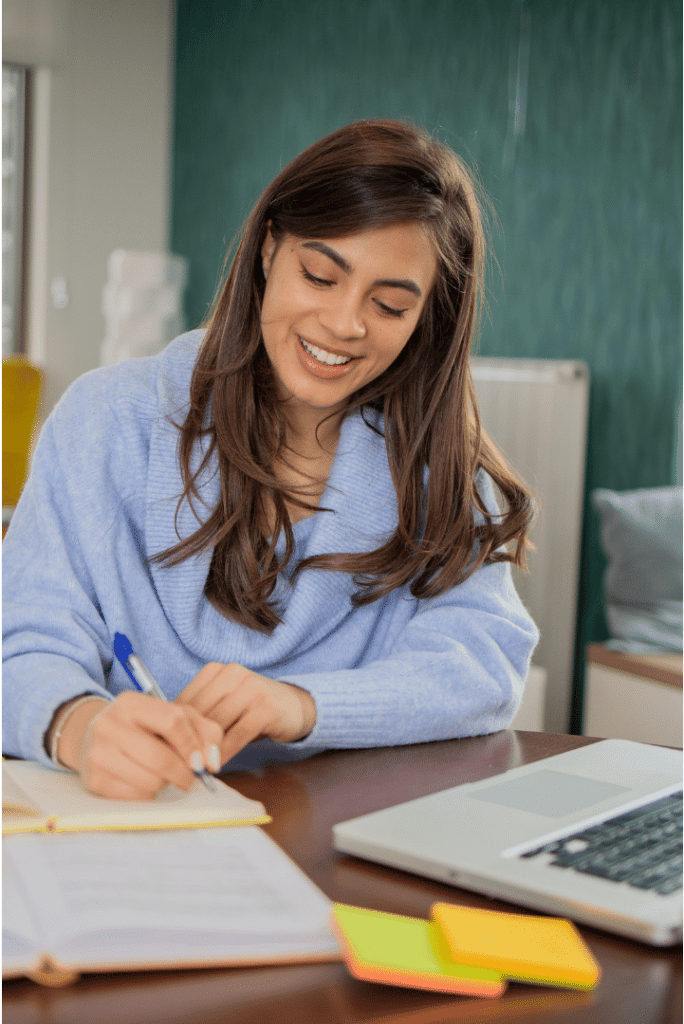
(536,411)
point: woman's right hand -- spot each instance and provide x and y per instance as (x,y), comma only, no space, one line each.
(134,746)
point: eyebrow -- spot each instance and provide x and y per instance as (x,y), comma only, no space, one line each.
(386,282)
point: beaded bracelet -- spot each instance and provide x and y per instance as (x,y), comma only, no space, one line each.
(62,722)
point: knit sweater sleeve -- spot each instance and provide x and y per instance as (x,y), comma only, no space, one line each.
(457,668)
(56,643)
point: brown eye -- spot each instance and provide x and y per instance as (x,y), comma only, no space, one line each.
(314,280)
(390,310)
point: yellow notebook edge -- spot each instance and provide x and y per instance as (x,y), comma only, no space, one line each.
(47,825)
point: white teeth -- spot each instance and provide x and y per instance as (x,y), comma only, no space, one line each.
(321,356)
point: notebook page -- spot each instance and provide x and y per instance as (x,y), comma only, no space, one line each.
(179,890)
(63,795)
(20,940)
(14,799)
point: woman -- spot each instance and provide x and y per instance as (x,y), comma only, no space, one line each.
(291,515)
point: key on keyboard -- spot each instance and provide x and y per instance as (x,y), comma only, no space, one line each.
(642,847)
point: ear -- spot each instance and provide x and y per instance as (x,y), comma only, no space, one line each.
(267,249)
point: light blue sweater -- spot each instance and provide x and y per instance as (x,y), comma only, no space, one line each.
(102,496)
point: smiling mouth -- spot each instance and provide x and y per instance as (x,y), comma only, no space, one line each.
(324,357)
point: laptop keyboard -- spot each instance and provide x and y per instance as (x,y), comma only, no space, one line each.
(642,848)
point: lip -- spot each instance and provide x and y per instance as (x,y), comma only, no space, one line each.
(320,369)
(326,348)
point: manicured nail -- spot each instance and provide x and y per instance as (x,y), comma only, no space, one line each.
(214,758)
(196,761)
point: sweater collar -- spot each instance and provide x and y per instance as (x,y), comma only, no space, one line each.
(363,514)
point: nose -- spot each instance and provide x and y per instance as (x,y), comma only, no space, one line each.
(342,315)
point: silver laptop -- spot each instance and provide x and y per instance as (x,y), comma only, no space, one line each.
(572,835)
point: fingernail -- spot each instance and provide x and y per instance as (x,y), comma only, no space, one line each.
(196,761)
(214,758)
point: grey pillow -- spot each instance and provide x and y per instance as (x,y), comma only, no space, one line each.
(641,533)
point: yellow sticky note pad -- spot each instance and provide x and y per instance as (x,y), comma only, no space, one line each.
(543,950)
(407,951)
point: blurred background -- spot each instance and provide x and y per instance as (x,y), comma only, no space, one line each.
(148,127)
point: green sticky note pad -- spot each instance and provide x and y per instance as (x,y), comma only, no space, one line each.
(543,950)
(406,951)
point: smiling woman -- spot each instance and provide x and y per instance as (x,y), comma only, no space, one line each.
(289,512)
(340,313)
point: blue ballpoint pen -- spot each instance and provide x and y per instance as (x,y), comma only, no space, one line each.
(143,680)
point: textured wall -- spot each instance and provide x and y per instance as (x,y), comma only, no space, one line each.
(571,110)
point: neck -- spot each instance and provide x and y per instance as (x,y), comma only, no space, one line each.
(305,464)
(313,432)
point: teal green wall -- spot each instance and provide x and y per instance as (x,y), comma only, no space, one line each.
(588,201)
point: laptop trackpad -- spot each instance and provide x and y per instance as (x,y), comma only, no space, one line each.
(549,793)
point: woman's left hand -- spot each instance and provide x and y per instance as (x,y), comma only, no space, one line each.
(249,707)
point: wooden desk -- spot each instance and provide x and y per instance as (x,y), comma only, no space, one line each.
(639,984)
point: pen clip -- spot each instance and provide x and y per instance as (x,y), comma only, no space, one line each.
(132,677)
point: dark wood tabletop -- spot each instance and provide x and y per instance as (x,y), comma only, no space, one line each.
(639,984)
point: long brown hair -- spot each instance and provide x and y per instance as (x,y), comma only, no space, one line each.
(365,175)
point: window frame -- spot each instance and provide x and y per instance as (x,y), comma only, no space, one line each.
(16,205)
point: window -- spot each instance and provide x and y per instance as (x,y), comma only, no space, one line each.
(14,107)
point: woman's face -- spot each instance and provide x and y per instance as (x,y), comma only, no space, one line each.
(337,312)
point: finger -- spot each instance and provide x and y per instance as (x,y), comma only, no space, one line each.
(210,735)
(230,681)
(171,722)
(206,682)
(137,757)
(288,712)
(195,737)
(249,727)
(107,768)
(120,779)
(114,788)
(234,704)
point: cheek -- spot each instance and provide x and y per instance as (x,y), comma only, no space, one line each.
(393,343)
(281,303)
(269,304)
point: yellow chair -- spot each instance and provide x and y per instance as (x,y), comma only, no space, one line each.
(20,392)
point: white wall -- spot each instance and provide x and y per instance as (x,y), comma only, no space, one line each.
(100,161)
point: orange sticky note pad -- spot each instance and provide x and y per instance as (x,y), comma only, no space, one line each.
(543,950)
(407,951)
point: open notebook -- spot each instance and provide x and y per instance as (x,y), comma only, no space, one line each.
(38,799)
(124,901)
